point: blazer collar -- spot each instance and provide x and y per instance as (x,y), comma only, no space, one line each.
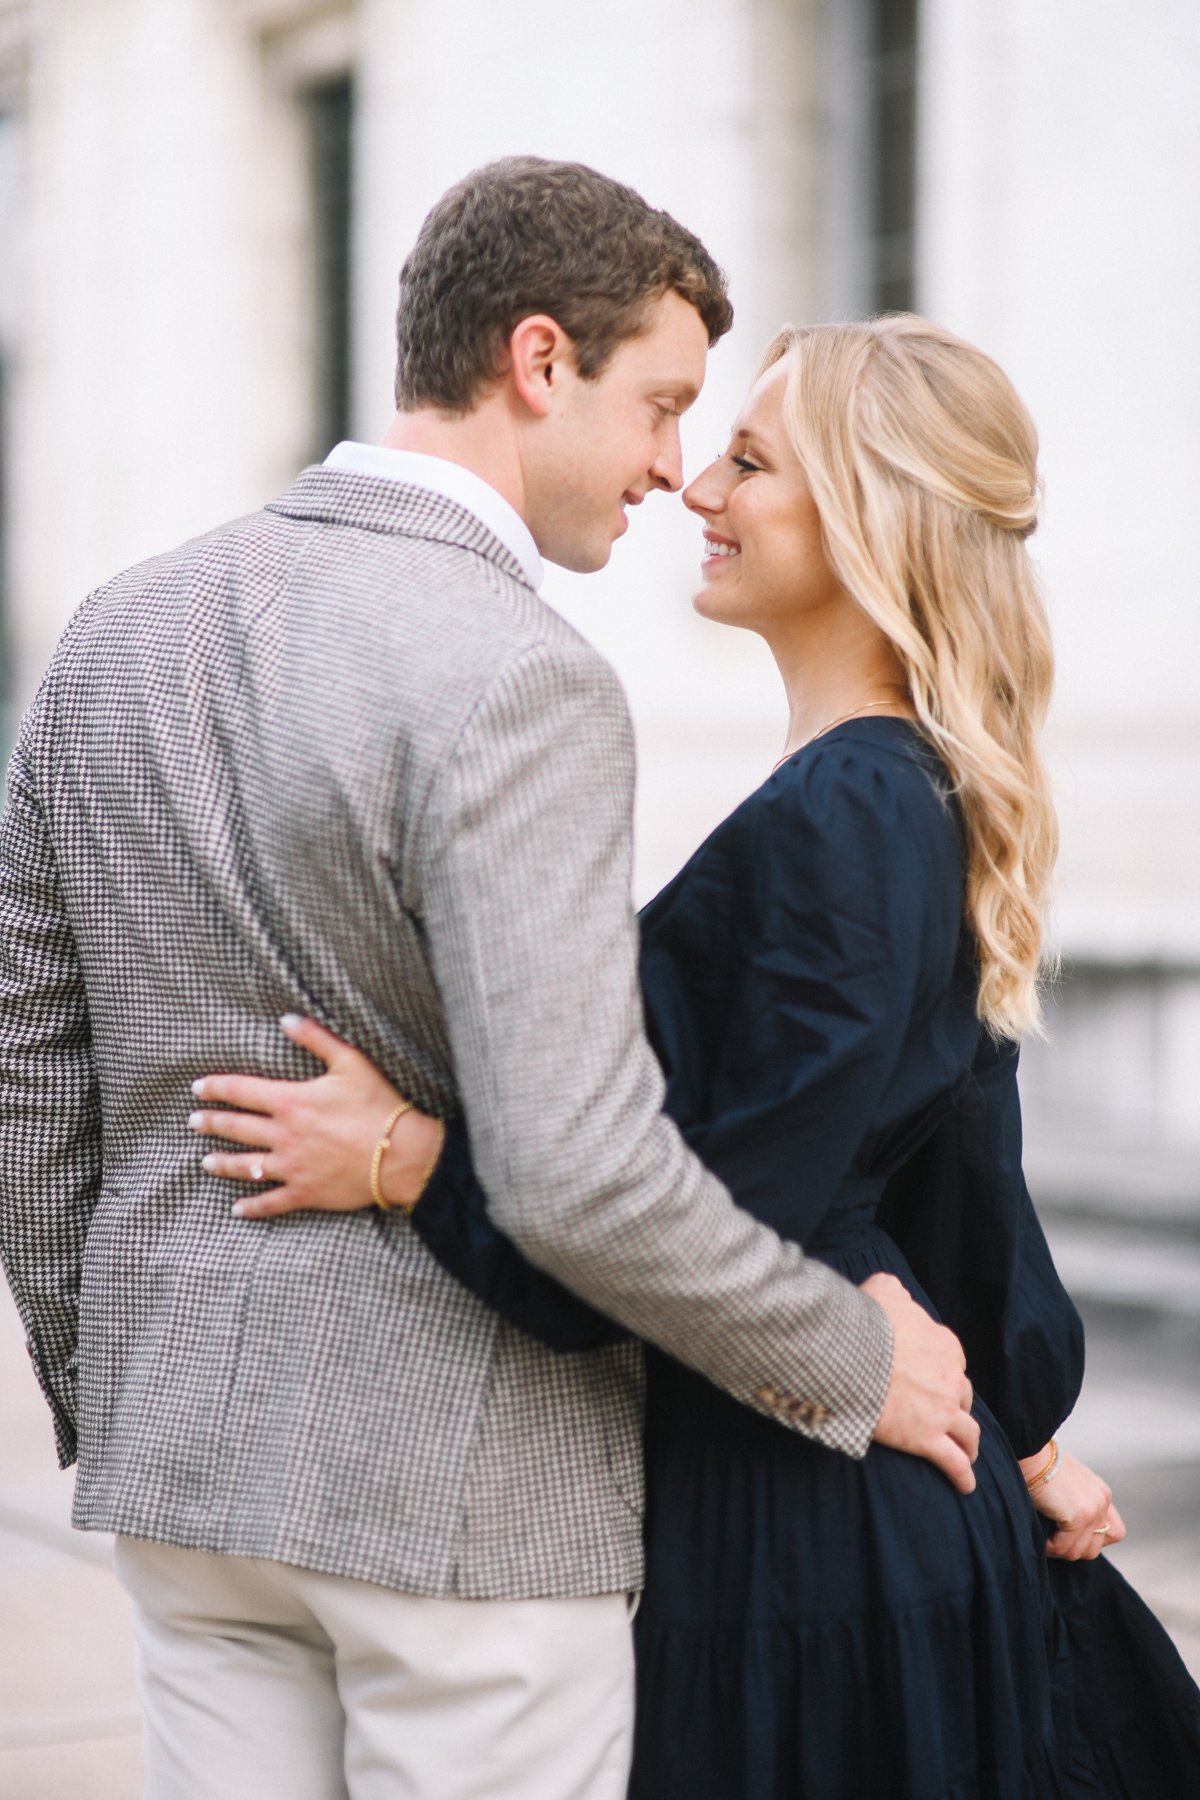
(339,497)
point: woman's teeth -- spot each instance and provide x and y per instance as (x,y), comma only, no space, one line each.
(723,550)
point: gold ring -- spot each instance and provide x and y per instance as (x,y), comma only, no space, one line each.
(1102,1531)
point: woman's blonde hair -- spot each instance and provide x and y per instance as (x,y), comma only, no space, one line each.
(922,462)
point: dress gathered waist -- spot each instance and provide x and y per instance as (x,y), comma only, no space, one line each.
(849,1222)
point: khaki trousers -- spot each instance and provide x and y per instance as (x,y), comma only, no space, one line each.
(260,1681)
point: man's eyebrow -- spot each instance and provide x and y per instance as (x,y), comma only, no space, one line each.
(686,392)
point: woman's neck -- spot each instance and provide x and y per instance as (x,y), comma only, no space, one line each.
(831,674)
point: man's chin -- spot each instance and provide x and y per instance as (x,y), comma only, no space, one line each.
(581,559)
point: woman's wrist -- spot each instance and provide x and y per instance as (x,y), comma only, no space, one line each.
(412,1156)
(383,1145)
(1040,1468)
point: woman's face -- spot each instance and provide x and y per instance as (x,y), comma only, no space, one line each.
(764,563)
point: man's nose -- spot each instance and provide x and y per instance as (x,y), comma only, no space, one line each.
(666,471)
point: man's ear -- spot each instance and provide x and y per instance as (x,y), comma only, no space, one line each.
(538,350)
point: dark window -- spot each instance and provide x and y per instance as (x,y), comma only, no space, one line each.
(893,104)
(329,110)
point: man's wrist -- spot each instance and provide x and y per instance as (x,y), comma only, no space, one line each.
(884,1365)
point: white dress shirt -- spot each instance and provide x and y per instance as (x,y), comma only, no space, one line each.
(453,482)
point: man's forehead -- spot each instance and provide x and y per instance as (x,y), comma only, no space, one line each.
(672,320)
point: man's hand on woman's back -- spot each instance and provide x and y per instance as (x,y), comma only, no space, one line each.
(927,1411)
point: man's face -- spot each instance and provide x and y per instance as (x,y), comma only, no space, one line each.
(606,443)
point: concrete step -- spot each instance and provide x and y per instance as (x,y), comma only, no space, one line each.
(1153,1187)
(1122,1264)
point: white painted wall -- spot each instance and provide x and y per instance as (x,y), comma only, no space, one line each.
(1060,194)
(160,386)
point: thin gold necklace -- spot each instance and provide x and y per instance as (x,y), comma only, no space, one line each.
(869,706)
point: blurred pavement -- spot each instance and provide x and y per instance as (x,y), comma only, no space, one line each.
(68,1710)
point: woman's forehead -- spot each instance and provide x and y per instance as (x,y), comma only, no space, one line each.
(761,415)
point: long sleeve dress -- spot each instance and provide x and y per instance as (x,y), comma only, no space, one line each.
(812,1627)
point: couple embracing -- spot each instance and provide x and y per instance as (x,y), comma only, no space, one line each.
(573,1325)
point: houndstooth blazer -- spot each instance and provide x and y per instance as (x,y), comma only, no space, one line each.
(339,758)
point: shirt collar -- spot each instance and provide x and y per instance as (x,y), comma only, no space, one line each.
(453,482)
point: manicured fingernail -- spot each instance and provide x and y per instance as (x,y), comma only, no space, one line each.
(208,1163)
(238,1210)
(195,1120)
(198,1088)
(291,1021)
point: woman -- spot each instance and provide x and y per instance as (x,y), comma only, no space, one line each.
(834,984)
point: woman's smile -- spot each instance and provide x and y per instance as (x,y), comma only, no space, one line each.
(718,550)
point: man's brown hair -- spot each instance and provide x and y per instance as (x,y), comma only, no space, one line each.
(525,236)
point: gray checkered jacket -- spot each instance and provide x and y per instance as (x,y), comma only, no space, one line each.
(338,758)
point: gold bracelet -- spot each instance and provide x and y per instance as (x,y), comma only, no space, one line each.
(1042,1476)
(381,1150)
(427,1177)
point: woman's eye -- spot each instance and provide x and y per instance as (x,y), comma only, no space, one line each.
(743,462)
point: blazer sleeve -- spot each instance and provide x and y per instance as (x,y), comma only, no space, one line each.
(961,1212)
(521,878)
(49,1099)
(452,1222)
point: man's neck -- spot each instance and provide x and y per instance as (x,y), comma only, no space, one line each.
(479,441)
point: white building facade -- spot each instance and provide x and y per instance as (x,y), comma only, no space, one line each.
(204,205)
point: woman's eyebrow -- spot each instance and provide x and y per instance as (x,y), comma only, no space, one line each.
(748,437)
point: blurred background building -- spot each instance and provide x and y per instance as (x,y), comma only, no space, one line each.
(204,204)
(203,208)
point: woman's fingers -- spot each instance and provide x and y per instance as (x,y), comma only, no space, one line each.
(252,1093)
(1079,1546)
(295,1192)
(1117,1528)
(271,1202)
(1101,1532)
(238,1166)
(257,1093)
(1078,1502)
(271,1187)
(253,1128)
(312,1142)
(268,1205)
(313,1037)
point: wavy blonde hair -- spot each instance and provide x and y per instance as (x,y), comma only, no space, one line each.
(922,462)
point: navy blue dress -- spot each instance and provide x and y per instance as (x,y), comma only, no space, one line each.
(815,1628)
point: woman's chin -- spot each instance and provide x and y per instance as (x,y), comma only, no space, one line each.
(709,605)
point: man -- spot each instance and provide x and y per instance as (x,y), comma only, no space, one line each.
(338,758)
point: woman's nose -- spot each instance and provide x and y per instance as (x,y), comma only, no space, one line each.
(705,495)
